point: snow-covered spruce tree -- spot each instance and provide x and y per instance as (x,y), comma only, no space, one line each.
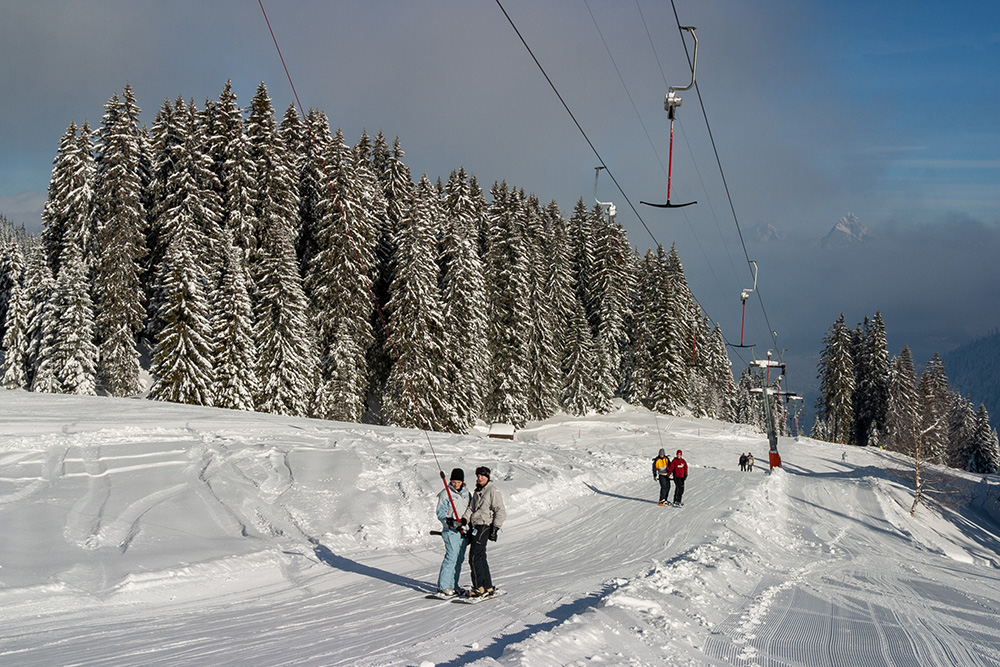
(182,357)
(543,360)
(372,204)
(666,376)
(285,340)
(416,393)
(463,296)
(961,420)
(120,220)
(678,332)
(871,372)
(903,412)
(298,136)
(984,455)
(507,272)
(236,174)
(66,215)
(749,409)
(647,295)
(38,287)
(168,133)
(557,276)
(235,384)
(836,378)
(612,287)
(578,363)
(338,281)
(397,192)
(187,216)
(720,377)
(934,400)
(287,359)
(581,235)
(73,355)
(15,340)
(11,271)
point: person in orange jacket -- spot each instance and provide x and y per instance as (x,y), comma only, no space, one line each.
(679,471)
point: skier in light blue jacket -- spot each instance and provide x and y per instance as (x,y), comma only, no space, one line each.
(455,542)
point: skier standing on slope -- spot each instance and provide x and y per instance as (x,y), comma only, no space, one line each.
(451,533)
(661,471)
(485,514)
(679,469)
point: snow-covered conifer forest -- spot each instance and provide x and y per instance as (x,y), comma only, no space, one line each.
(868,399)
(222,257)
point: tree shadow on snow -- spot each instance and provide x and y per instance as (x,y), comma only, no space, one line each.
(326,556)
(621,497)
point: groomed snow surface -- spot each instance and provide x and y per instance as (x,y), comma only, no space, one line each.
(141,533)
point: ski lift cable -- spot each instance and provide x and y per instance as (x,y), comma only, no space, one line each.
(576,122)
(590,143)
(718,159)
(586,137)
(687,143)
(694,160)
(350,238)
(656,153)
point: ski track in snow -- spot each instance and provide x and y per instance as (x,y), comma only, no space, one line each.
(195,536)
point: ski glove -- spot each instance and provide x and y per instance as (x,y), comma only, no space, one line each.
(452,523)
(493,534)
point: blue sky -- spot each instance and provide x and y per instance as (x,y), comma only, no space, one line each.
(887,110)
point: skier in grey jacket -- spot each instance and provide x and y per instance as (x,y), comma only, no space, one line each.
(486,514)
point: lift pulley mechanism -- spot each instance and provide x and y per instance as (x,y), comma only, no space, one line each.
(767,391)
(612,211)
(670,105)
(744,295)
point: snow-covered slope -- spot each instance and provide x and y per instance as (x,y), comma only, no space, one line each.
(143,533)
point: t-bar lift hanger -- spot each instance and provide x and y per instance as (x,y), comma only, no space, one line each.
(670,105)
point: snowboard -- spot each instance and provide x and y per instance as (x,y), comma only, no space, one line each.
(497,592)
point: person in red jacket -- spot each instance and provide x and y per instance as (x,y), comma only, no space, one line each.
(679,471)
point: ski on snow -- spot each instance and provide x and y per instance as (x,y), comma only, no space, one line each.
(461,599)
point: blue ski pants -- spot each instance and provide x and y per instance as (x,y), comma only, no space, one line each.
(454,553)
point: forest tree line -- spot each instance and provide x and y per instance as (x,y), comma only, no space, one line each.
(868,399)
(256,264)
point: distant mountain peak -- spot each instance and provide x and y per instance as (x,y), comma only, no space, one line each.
(847,231)
(766,232)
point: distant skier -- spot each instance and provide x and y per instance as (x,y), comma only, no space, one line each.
(679,470)
(452,533)
(661,471)
(743,461)
(485,514)
(750,462)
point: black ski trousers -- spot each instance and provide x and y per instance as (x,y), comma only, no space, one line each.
(678,489)
(664,489)
(478,567)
